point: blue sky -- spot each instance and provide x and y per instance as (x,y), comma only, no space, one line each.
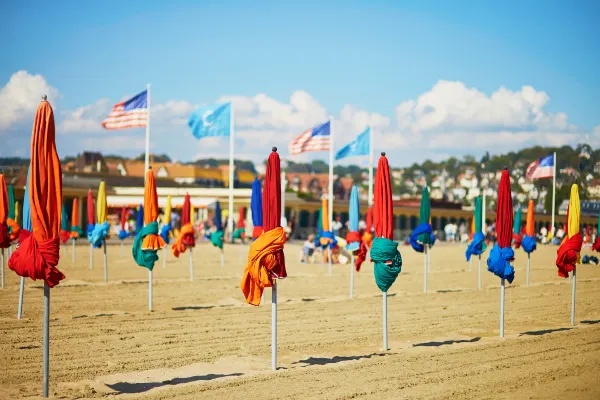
(373,55)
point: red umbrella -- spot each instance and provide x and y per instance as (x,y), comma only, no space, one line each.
(266,261)
(186,238)
(91,217)
(502,254)
(4,237)
(241,223)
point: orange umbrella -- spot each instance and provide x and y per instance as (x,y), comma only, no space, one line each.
(38,252)
(151,241)
(76,231)
(185,238)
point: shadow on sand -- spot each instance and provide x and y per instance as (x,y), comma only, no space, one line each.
(334,360)
(447,342)
(544,331)
(132,387)
(192,308)
(591,322)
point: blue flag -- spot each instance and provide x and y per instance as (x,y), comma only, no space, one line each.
(211,120)
(358,147)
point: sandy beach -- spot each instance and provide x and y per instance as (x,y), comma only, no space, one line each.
(203,342)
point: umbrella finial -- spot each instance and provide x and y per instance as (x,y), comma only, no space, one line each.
(149,166)
(506,168)
(274,149)
(44,97)
(383,153)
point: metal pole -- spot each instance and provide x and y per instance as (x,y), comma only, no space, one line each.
(329,259)
(231,170)
(351,275)
(147,155)
(105,266)
(574,285)
(46,341)
(21,290)
(428,258)
(149,290)
(222,259)
(73,251)
(274,325)
(479,273)
(502,307)
(470,264)
(528,266)
(191,266)
(330,216)
(553,193)
(370,199)
(425,269)
(91,255)
(2,268)
(164,257)
(385,332)
(121,249)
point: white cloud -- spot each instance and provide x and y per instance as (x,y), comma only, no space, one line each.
(451,118)
(20,97)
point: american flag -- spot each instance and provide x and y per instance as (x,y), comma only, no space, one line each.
(542,168)
(132,113)
(315,139)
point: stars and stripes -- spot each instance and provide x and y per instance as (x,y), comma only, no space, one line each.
(315,139)
(542,168)
(132,113)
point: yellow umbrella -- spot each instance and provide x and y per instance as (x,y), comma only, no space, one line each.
(167,217)
(574,212)
(101,209)
(191,214)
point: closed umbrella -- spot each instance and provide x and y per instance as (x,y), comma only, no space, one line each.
(422,238)
(256,209)
(502,255)
(4,236)
(367,236)
(76,231)
(327,238)
(147,242)
(568,254)
(266,261)
(240,228)
(167,228)
(123,233)
(353,240)
(596,245)
(13,227)
(516,237)
(384,250)
(477,245)
(38,252)
(185,239)
(528,242)
(216,237)
(100,232)
(139,219)
(26,227)
(91,219)
(64,228)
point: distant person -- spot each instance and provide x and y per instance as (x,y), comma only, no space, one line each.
(336,226)
(309,249)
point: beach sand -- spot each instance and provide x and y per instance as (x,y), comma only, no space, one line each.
(203,342)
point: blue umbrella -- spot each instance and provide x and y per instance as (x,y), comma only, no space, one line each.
(139,221)
(256,207)
(354,211)
(26,207)
(217,220)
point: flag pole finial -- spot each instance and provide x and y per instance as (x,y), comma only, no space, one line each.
(274,149)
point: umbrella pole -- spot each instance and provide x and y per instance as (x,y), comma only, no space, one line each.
(164,256)
(351,275)
(573,281)
(46,340)
(528,266)
(470,264)
(121,254)
(274,325)
(329,259)
(2,268)
(385,332)
(428,258)
(105,268)
(91,255)
(479,273)
(502,307)
(191,266)
(73,251)
(149,290)
(222,259)
(21,290)
(64,249)
(425,269)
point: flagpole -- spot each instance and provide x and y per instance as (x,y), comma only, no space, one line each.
(370,200)
(553,193)
(231,168)
(147,155)
(330,216)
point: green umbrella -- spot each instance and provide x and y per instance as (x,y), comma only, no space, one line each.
(320,220)
(517,223)
(424,216)
(11,202)
(478,214)
(64,223)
